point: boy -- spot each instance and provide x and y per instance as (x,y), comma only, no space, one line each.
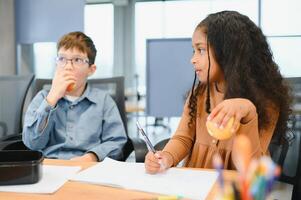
(73,120)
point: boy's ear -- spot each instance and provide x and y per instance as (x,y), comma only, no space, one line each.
(92,69)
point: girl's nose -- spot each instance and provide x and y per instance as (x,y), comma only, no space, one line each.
(192,60)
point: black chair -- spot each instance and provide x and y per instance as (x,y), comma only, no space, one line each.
(161,144)
(13,91)
(115,86)
(297,187)
(288,153)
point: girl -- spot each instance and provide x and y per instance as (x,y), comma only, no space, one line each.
(237,78)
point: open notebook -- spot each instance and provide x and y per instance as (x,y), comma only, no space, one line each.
(194,184)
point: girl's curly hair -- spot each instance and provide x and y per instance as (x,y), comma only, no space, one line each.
(242,52)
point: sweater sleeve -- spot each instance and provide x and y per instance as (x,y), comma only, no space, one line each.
(260,139)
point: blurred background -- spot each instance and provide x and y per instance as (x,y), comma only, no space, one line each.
(122,29)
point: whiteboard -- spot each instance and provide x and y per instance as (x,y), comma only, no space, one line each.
(169,76)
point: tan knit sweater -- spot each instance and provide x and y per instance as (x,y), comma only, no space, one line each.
(198,147)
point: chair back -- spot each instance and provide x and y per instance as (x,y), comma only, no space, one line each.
(297,186)
(161,144)
(115,87)
(288,153)
(13,91)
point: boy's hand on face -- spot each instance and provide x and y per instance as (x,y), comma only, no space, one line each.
(243,110)
(62,79)
(88,157)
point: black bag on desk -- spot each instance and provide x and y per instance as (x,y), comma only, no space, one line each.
(20,167)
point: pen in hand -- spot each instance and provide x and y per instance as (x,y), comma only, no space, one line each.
(148,142)
(150,146)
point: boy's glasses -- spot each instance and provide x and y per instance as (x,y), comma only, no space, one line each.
(76,62)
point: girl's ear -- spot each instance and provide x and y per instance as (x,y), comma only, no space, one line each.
(92,69)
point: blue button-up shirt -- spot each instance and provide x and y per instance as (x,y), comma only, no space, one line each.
(91,123)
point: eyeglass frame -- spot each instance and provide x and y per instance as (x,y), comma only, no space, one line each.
(85,60)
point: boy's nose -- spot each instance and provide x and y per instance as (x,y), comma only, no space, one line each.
(69,65)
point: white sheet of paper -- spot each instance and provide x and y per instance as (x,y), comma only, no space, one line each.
(194,184)
(53,177)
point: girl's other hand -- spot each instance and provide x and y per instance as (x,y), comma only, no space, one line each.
(243,110)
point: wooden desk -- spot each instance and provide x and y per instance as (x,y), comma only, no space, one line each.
(73,190)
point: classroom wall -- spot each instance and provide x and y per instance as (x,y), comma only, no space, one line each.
(47,20)
(7,39)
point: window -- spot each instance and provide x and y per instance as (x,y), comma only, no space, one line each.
(99,26)
(282,19)
(282,27)
(286,53)
(99,23)
(44,59)
(177,19)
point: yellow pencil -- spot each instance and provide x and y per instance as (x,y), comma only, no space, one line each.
(172,197)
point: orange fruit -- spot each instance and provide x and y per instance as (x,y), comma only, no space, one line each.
(70,87)
(220,134)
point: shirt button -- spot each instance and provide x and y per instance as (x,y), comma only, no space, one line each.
(71,107)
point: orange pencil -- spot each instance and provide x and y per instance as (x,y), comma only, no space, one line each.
(241,158)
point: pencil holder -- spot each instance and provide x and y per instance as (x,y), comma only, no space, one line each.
(256,183)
